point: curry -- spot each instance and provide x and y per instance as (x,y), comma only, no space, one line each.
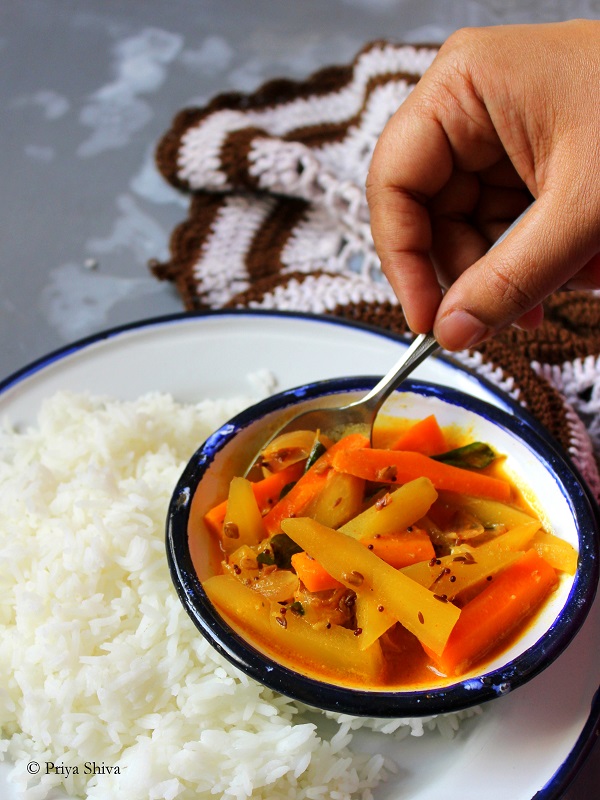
(399,566)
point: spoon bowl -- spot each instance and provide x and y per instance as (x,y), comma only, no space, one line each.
(360,414)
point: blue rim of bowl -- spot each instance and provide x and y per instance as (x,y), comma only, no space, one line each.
(356,701)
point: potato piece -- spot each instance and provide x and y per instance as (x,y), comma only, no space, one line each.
(243,521)
(401,508)
(310,485)
(351,563)
(340,499)
(247,608)
(518,538)
(489,512)
(559,554)
(334,651)
(372,619)
(464,570)
(469,567)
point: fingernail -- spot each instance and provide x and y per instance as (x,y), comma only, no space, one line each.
(531,319)
(459,330)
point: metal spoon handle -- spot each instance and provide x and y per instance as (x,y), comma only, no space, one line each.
(422,347)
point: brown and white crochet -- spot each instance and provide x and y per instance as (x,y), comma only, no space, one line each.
(278,219)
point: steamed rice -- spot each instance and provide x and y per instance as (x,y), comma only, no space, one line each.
(100,664)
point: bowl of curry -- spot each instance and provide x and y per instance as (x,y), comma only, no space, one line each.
(438,565)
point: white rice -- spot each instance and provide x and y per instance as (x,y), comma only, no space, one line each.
(99,663)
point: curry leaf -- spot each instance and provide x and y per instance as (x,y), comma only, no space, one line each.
(316,452)
(476,455)
(283,548)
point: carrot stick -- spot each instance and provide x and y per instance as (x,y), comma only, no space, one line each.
(314,576)
(497,611)
(311,483)
(401,466)
(266,491)
(401,549)
(425,437)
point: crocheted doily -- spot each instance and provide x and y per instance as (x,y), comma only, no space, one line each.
(278,219)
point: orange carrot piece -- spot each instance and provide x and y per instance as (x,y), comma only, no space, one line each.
(403,548)
(424,436)
(402,466)
(497,611)
(266,491)
(311,483)
(312,574)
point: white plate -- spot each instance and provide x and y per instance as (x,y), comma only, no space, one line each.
(525,745)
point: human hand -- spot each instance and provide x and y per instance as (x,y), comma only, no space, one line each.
(502,114)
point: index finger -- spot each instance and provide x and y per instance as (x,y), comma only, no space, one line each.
(441,126)
(398,185)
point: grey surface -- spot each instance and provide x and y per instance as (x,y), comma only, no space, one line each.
(86,90)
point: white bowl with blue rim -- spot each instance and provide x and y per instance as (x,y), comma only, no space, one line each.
(531,460)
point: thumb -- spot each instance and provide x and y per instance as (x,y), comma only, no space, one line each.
(507,285)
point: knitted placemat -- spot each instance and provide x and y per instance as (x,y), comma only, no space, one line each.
(278,219)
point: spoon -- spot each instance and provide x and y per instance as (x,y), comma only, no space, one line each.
(361,414)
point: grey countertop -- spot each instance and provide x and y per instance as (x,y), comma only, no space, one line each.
(89,86)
